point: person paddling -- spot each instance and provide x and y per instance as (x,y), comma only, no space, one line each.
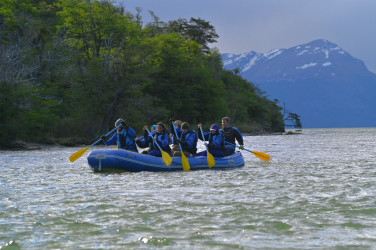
(214,141)
(124,137)
(187,140)
(141,142)
(231,133)
(161,137)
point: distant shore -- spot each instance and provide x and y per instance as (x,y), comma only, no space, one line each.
(76,142)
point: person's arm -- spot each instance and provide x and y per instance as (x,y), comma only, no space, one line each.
(147,137)
(175,138)
(200,136)
(172,120)
(239,138)
(141,142)
(207,135)
(111,141)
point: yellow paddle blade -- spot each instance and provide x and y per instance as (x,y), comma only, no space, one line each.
(210,159)
(78,154)
(166,158)
(261,155)
(185,162)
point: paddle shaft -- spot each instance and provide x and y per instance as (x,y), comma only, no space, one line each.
(184,160)
(238,146)
(81,152)
(105,135)
(209,156)
(203,137)
(177,137)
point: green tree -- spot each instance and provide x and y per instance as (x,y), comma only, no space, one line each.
(181,82)
(104,40)
(196,29)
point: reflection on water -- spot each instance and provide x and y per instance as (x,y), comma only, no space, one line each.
(317,191)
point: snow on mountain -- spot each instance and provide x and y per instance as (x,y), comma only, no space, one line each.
(319,59)
(318,80)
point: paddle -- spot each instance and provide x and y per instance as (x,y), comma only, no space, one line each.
(166,157)
(184,159)
(80,152)
(209,156)
(260,155)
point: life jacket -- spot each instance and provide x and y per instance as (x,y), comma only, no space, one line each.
(125,140)
(213,138)
(193,148)
(160,137)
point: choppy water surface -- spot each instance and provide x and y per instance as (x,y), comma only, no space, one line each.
(318,191)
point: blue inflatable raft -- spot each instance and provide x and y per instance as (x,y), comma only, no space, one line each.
(119,159)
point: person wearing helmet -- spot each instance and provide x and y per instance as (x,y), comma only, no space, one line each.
(124,137)
(215,141)
(153,129)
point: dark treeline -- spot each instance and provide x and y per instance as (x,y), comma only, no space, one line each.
(70,68)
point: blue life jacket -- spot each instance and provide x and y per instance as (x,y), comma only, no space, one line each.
(125,139)
(163,141)
(189,141)
(216,141)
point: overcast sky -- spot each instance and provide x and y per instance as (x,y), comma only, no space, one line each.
(264,25)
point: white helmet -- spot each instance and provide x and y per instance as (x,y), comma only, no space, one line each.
(119,122)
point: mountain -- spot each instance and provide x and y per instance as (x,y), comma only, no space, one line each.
(318,80)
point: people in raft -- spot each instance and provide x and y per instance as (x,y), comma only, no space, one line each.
(124,137)
(214,141)
(160,137)
(231,133)
(188,141)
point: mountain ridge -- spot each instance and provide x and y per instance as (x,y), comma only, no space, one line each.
(314,80)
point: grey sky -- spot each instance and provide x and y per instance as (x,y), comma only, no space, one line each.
(263,25)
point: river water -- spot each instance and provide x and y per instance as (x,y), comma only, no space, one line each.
(318,191)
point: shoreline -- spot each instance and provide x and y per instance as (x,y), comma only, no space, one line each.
(77,142)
